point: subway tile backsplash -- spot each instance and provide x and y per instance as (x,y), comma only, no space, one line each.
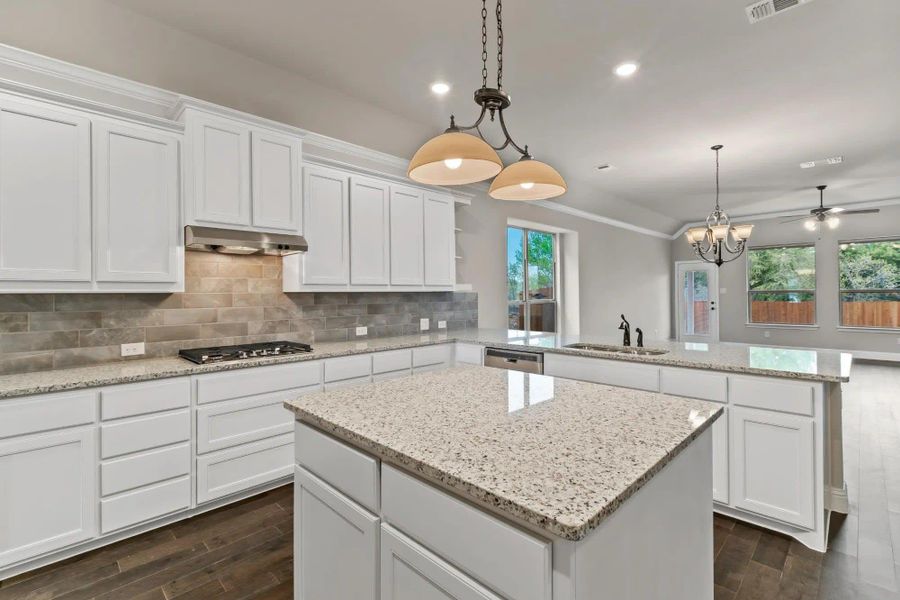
(227,300)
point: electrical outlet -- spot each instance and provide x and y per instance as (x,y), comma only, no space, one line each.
(442,324)
(766,334)
(898,341)
(133,349)
(362,330)
(424,324)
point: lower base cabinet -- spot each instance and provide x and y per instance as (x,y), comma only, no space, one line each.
(720,458)
(410,572)
(243,467)
(335,543)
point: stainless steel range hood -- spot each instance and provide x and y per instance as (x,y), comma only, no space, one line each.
(232,241)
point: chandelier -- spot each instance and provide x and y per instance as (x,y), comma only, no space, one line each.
(720,241)
(457,158)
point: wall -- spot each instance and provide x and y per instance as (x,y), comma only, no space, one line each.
(618,270)
(227,300)
(827,334)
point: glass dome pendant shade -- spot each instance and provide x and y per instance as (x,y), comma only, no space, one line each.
(527,179)
(454,158)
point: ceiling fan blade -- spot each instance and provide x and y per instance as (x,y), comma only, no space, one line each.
(862,211)
(795,219)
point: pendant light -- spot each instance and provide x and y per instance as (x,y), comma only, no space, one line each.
(713,243)
(457,158)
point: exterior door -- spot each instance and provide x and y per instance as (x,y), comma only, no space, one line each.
(697,294)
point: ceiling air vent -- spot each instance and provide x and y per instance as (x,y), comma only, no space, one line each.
(769,8)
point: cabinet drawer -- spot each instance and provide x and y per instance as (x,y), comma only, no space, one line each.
(144,433)
(693,383)
(243,467)
(334,385)
(501,556)
(348,367)
(131,472)
(396,360)
(432,355)
(470,354)
(144,504)
(226,424)
(391,375)
(345,468)
(142,398)
(258,380)
(609,372)
(769,394)
(43,413)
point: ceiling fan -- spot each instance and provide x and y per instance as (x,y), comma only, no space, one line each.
(827,215)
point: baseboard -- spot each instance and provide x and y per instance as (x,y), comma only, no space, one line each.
(876,356)
(839,501)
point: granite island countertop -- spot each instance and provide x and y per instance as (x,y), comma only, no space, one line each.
(558,454)
(773,361)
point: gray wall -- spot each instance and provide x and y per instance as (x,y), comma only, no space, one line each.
(619,270)
(733,277)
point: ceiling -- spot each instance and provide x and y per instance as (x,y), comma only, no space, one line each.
(816,81)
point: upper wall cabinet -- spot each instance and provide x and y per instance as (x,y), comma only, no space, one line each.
(370,232)
(326,214)
(407,233)
(45,193)
(239,175)
(439,239)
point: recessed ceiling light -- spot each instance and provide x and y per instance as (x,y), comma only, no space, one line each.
(626,69)
(440,88)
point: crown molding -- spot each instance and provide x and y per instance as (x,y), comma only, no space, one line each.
(576,212)
(335,145)
(185,103)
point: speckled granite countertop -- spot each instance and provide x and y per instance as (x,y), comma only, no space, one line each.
(561,455)
(812,365)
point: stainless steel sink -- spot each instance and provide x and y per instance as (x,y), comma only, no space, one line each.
(617,349)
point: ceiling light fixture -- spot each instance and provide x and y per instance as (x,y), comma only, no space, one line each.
(828,214)
(626,69)
(440,88)
(711,243)
(457,158)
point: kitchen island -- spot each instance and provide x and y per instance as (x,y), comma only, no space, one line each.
(482,483)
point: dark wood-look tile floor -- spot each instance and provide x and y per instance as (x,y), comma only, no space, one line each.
(244,551)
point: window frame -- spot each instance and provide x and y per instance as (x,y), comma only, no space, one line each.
(748,293)
(841,291)
(526,301)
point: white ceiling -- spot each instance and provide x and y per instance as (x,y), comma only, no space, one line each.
(815,81)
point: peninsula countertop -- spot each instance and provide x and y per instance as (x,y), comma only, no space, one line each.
(773,361)
(558,454)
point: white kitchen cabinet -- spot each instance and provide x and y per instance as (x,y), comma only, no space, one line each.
(136,204)
(276,181)
(370,232)
(45,193)
(608,372)
(407,236)
(411,572)
(720,457)
(219,173)
(773,458)
(244,467)
(49,497)
(439,240)
(326,208)
(335,543)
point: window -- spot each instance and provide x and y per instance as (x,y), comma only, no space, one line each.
(782,285)
(870,283)
(531,279)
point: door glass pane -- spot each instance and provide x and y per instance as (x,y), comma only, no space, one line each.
(515,264)
(542,316)
(540,265)
(516,316)
(695,304)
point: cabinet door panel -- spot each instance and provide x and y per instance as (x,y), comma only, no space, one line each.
(407,252)
(773,468)
(136,204)
(48,484)
(335,543)
(369,232)
(440,245)
(326,226)
(45,194)
(276,181)
(221,170)
(720,458)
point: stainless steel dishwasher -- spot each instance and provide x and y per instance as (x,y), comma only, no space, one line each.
(514,360)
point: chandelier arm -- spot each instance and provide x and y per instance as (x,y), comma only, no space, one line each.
(509,140)
(728,246)
(475,124)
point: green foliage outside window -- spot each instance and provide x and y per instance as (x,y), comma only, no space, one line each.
(871,266)
(783,270)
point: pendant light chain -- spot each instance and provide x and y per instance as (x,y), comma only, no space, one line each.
(484,72)
(717,179)
(499,44)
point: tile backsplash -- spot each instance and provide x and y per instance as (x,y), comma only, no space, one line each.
(227,300)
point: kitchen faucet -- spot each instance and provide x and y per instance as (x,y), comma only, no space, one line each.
(640,340)
(626,327)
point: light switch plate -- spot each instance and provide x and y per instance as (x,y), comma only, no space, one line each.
(424,324)
(362,330)
(442,324)
(133,349)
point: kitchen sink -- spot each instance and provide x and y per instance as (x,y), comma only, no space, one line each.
(617,349)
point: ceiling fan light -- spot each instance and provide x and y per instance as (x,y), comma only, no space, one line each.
(833,222)
(435,163)
(511,183)
(810,224)
(741,232)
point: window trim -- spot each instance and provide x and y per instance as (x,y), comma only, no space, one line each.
(841,291)
(814,291)
(526,301)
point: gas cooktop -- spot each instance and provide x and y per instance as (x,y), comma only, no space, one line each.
(243,351)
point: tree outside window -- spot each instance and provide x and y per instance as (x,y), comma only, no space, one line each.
(781,283)
(531,279)
(870,283)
